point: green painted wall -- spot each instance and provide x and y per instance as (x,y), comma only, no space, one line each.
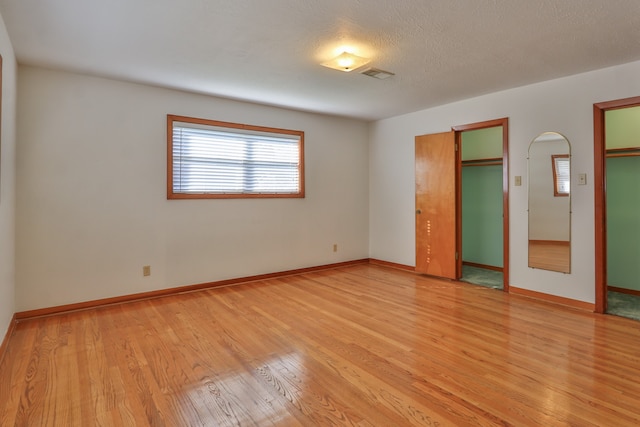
(482,215)
(482,198)
(623,222)
(622,128)
(482,143)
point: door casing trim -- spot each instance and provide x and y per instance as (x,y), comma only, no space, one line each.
(504,122)
(599,182)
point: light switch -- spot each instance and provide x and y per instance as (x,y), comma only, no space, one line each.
(518,181)
(582,179)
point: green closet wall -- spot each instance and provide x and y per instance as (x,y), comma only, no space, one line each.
(623,222)
(482,215)
(482,241)
(622,129)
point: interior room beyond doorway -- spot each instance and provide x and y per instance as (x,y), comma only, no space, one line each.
(482,206)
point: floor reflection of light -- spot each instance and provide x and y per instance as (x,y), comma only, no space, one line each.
(247,397)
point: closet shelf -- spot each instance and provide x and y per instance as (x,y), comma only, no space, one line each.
(483,162)
(623,152)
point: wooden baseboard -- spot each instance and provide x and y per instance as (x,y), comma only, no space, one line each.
(392,265)
(581,305)
(486,267)
(5,340)
(624,290)
(23,315)
(48,311)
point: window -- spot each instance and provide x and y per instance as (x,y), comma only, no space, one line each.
(211,159)
(561,175)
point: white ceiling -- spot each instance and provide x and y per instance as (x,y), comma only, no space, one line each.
(268,51)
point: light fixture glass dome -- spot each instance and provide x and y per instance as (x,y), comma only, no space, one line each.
(346,62)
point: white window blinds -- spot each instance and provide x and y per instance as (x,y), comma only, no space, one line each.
(561,169)
(220,160)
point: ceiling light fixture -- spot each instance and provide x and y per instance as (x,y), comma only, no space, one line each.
(346,62)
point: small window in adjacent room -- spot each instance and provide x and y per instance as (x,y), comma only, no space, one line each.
(210,159)
(561,176)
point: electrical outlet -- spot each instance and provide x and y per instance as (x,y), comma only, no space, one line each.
(582,179)
(146,270)
(335,247)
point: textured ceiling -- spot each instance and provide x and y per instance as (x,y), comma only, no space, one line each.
(269,51)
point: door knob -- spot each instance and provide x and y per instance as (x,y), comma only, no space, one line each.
(418,211)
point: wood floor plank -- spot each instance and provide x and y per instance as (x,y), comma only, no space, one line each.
(362,345)
(19,356)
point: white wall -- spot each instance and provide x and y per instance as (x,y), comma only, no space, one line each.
(92,210)
(92,207)
(563,105)
(7,182)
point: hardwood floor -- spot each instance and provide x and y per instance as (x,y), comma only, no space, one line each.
(363,346)
(554,256)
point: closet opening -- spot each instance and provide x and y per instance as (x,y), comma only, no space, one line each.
(617,206)
(483,205)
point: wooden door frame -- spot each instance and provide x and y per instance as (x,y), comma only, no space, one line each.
(504,122)
(599,180)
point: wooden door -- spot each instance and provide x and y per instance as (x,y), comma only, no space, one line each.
(436,236)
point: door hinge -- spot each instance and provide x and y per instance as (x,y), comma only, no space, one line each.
(456,145)
(456,256)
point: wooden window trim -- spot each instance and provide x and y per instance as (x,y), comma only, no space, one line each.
(206,122)
(557,193)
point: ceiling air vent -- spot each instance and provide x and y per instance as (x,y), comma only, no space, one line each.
(377,74)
